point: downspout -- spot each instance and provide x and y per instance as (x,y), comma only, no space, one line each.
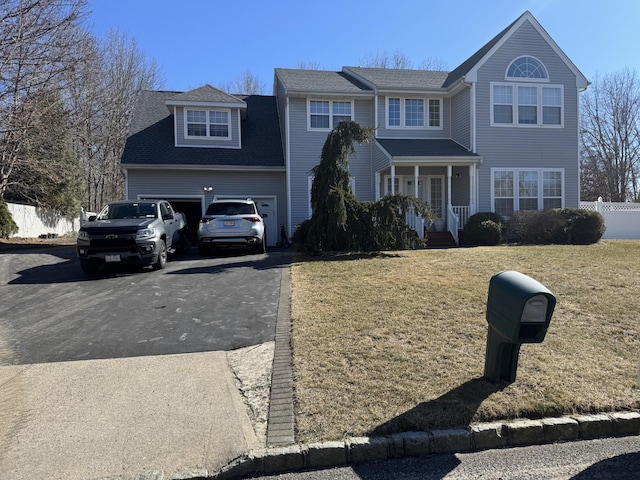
(288,167)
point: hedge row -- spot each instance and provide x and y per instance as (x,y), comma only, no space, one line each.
(538,227)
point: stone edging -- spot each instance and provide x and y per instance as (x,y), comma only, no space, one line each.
(473,438)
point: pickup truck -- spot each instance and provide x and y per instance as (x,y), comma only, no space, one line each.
(140,232)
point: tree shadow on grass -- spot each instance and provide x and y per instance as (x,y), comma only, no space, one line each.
(456,408)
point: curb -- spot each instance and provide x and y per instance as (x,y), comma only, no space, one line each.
(486,436)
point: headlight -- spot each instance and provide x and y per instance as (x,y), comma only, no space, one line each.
(83,235)
(146,233)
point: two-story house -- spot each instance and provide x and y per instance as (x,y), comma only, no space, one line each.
(498,133)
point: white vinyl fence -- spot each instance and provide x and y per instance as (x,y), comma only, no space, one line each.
(622,219)
(34,222)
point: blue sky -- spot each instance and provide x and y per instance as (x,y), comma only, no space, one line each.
(211,41)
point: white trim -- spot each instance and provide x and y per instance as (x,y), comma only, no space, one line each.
(581,81)
(223,168)
(425,112)
(200,198)
(331,114)
(208,136)
(516,197)
(527,79)
(175,127)
(206,105)
(514,105)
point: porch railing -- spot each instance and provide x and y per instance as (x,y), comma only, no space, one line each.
(415,222)
(453,223)
(463,212)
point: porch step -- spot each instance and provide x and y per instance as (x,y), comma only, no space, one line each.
(440,240)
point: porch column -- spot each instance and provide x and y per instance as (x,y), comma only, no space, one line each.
(449,170)
(377,186)
(472,189)
(416,173)
(393,179)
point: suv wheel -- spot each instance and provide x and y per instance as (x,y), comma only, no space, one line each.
(162,256)
(262,246)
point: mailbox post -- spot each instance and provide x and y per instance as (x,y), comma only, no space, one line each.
(519,310)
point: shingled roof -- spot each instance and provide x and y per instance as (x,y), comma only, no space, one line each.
(151,139)
(397,147)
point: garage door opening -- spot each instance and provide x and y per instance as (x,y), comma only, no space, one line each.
(193,211)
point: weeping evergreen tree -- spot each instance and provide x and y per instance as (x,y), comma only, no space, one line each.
(331,189)
(339,222)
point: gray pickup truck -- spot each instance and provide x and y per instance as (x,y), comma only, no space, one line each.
(139,232)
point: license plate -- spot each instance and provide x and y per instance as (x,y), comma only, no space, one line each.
(229,223)
(112,258)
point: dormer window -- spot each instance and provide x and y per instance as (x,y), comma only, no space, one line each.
(527,67)
(208,123)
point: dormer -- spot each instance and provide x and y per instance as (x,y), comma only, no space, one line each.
(207,118)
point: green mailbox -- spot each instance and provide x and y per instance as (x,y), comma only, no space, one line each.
(519,310)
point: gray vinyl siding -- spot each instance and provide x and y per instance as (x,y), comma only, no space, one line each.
(461,118)
(527,147)
(233,142)
(383,132)
(190,183)
(306,148)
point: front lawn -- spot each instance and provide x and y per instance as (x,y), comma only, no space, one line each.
(395,341)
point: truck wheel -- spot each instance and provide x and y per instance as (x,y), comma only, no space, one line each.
(162,256)
(90,268)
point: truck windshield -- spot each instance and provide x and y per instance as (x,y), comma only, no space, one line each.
(128,210)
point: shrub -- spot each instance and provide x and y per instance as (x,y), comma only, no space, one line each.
(483,228)
(516,224)
(7,225)
(544,227)
(583,227)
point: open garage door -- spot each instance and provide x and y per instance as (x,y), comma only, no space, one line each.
(191,207)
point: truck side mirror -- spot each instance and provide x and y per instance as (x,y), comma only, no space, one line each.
(519,310)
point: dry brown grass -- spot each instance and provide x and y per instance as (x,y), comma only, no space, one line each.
(395,342)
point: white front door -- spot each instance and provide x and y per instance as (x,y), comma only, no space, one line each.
(430,189)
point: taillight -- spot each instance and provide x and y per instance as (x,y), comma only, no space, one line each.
(204,220)
(252,219)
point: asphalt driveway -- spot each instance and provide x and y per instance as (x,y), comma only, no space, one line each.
(51,312)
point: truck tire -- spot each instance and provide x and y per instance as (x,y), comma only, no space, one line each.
(88,267)
(161,262)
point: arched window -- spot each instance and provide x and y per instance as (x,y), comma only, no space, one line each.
(527,67)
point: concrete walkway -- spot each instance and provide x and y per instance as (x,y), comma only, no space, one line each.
(143,417)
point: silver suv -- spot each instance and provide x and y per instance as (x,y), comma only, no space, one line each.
(231,223)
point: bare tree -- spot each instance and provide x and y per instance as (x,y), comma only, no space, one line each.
(37,41)
(434,63)
(386,59)
(610,134)
(246,84)
(102,93)
(398,60)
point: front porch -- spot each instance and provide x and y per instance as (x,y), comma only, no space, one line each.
(442,173)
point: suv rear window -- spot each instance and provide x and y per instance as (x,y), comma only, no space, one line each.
(230,208)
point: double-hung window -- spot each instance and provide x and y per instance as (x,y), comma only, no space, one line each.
(526,189)
(414,112)
(526,105)
(208,123)
(326,114)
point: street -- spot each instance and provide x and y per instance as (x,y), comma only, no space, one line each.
(615,458)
